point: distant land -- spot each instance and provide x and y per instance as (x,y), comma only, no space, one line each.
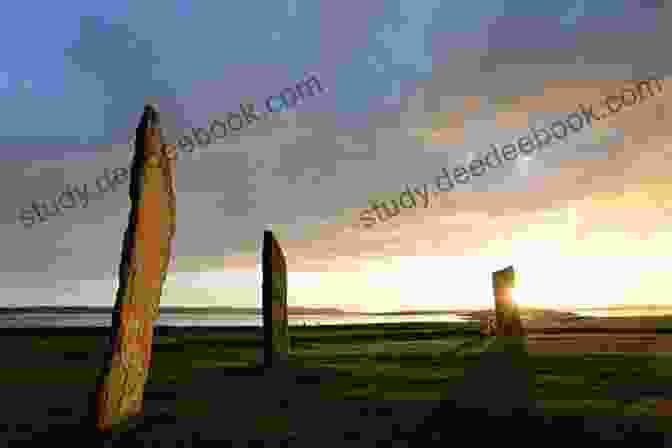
(296,310)
(415,313)
(626,307)
(301,310)
(293,310)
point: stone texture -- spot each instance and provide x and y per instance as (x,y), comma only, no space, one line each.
(508,318)
(274,291)
(142,272)
(487,326)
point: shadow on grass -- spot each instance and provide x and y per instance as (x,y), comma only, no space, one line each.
(499,392)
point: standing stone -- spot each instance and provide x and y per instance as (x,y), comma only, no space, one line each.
(487,326)
(508,317)
(142,272)
(274,291)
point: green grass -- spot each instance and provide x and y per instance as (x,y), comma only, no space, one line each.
(388,362)
(377,364)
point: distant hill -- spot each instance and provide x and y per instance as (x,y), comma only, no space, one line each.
(414,313)
(626,307)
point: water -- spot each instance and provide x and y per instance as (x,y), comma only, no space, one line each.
(213,320)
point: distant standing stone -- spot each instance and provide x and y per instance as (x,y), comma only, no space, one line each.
(274,291)
(508,318)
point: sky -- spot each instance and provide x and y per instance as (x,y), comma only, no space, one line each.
(410,87)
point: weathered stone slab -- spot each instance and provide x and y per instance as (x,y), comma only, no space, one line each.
(142,272)
(508,321)
(274,291)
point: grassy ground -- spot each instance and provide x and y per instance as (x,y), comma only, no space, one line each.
(352,383)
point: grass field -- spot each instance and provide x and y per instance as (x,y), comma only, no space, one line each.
(351,383)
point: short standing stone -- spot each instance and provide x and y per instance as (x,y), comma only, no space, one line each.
(508,318)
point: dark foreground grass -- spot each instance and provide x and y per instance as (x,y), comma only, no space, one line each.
(355,384)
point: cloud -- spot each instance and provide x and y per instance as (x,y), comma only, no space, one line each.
(131,84)
(4,80)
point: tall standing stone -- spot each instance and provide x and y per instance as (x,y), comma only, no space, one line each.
(142,272)
(508,318)
(274,292)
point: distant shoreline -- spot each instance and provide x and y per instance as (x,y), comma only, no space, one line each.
(304,311)
(292,310)
(166,309)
